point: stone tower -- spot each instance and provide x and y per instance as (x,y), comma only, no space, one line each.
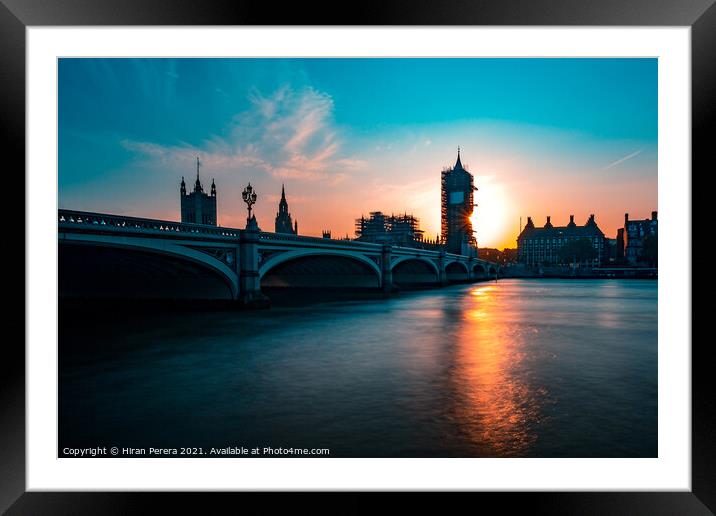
(457,205)
(198,207)
(283,217)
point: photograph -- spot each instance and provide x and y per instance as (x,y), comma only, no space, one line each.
(270,252)
(357,257)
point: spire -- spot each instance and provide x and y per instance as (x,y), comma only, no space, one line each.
(182,188)
(283,204)
(197,185)
(283,223)
(458,163)
(213,188)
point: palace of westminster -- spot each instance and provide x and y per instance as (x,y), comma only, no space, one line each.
(199,207)
(535,245)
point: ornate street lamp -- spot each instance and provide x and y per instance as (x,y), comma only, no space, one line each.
(249,197)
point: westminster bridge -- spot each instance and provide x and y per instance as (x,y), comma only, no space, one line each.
(103,255)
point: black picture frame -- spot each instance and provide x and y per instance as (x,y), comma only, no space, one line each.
(16,15)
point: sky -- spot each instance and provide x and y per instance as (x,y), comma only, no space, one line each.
(541,136)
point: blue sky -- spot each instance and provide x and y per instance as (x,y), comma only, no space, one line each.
(354,135)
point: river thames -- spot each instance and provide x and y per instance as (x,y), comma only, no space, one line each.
(512,368)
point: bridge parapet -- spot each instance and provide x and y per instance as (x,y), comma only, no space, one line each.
(301,239)
(456,257)
(102,220)
(414,251)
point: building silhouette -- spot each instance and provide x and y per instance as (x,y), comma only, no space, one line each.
(495,255)
(457,204)
(198,207)
(633,237)
(543,246)
(611,251)
(283,217)
(619,252)
(401,230)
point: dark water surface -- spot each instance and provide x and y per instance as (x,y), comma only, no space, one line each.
(535,368)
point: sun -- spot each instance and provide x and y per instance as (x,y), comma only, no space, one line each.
(492,216)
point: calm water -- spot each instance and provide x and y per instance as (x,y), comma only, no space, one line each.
(537,368)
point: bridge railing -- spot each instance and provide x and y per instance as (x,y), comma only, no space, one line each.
(85,218)
(284,237)
(399,250)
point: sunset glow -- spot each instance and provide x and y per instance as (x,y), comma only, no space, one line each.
(492,216)
(496,403)
(351,136)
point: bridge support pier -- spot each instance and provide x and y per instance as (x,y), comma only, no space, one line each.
(250,295)
(386,270)
(442,278)
(471,276)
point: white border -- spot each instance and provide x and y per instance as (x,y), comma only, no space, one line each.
(670,471)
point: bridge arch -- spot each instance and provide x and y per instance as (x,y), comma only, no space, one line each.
(142,268)
(426,261)
(456,271)
(479,271)
(317,268)
(415,271)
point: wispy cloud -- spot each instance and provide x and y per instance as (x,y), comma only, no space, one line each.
(288,134)
(623,159)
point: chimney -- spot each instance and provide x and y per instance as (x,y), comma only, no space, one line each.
(653,215)
(571,219)
(529,220)
(626,219)
(548,217)
(591,218)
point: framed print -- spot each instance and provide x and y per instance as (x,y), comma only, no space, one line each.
(419,253)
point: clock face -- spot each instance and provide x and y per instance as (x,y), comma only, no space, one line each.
(456,197)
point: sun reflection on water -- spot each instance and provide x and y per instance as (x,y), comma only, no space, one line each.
(497,407)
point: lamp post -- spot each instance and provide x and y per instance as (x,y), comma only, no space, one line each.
(249,279)
(249,197)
